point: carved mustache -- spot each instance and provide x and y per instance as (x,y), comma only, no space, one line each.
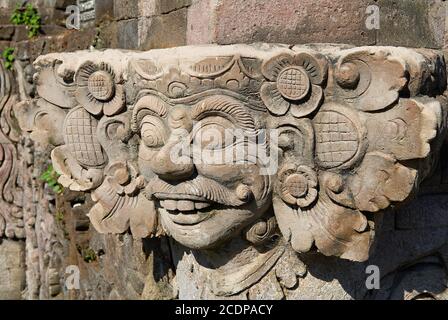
(199,188)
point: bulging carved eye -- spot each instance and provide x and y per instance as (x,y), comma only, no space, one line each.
(153,132)
(214,134)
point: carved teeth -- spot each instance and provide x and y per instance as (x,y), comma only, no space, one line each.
(169,204)
(183,205)
(201,205)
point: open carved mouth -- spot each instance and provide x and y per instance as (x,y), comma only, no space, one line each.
(184,209)
(181,202)
(193,201)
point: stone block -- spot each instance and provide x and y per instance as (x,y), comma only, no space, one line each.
(104,10)
(4,19)
(6,32)
(125,9)
(4,44)
(163,31)
(158,7)
(20,33)
(108,35)
(70,40)
(52,30)
(294,21)
(419,23)
(128,34)
(199,23)
(167,6)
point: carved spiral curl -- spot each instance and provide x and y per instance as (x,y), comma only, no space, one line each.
(261,231)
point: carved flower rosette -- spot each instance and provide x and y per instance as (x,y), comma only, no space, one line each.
(98,90)
(294,83)
(359,130)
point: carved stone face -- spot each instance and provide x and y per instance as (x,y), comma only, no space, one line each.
(140,131)
(202,199)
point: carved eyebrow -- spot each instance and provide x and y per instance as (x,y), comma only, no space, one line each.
(230,107)
(147,105)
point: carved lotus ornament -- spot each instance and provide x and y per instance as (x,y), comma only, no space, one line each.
(97,91)
(293,84)
(298,185)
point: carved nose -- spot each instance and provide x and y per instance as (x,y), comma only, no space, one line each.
(173,161)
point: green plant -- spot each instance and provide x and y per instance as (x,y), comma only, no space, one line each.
(97,42)
(28,16)
(59,216)
(89,255)
(8,56)
(51,178)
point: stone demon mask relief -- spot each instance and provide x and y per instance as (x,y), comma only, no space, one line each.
(356,130)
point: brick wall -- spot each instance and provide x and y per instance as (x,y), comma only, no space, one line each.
(148,24)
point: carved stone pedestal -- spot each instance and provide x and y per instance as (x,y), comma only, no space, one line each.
(278,171)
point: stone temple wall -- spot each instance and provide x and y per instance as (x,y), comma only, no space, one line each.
(43,233)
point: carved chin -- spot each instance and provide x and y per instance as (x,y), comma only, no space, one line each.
(206,229)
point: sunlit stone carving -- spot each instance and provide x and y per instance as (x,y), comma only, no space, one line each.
(356,130)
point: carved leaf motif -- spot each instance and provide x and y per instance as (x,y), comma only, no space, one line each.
(246,276)
(113,134)
(147,69)
(120,206)
(251,67)
(308,106)
(273,99)
(289,268)
(173,84)
(406,129)
(369,81)
(379,181)
(333,229)
(73,175)
(43,119)
(234,79)
(211,67)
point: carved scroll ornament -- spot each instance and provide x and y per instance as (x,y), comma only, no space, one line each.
(11,206)
(358,129)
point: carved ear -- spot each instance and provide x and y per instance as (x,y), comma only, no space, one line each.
(43,119)
(308,216)
(53,87)
(121,204)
